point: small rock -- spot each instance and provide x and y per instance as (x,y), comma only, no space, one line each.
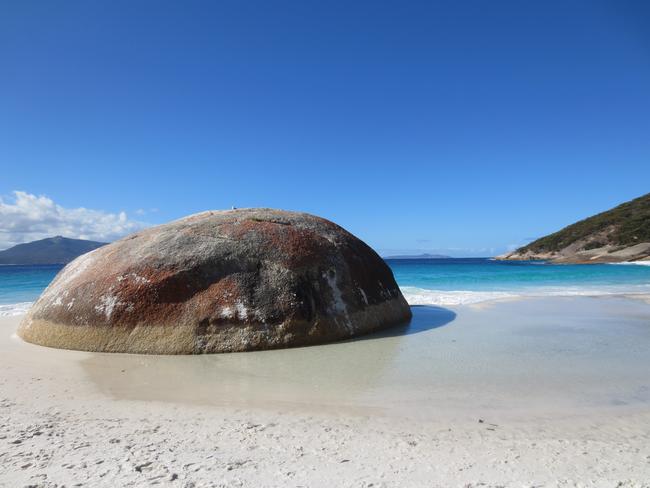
(142,466)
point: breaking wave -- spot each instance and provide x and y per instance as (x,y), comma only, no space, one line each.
(12,309)
(421,296)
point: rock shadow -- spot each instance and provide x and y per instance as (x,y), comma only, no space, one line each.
(425,317)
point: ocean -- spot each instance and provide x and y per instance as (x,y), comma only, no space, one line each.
(472,280)
(21,285)
(442,282)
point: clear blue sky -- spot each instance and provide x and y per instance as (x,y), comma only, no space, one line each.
(459,125)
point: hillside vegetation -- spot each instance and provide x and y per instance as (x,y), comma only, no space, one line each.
(625,225)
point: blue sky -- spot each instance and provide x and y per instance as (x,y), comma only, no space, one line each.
(462,127)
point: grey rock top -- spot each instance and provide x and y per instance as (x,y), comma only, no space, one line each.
(219,281)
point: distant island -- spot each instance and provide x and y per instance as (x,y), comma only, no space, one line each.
(617,235)
(53,250)
(418,256)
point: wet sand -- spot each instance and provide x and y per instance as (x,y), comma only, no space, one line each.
(536,392)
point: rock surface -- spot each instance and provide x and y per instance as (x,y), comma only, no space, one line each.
(219,281)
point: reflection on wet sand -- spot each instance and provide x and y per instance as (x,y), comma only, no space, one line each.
(336,373)
(523,358)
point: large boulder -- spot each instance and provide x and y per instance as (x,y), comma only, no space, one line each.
(219,281)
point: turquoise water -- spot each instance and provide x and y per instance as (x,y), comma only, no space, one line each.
(486,274)
(25,283)
(457,281)
(439,281)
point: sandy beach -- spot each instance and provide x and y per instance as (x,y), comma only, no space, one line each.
(536,392)
(373,244)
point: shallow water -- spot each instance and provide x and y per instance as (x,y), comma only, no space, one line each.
(526,357)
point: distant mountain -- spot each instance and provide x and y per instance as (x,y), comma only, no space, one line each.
(418,256)
(617,235)
(53,250)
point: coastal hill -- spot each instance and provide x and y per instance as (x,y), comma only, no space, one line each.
(53,250)
(617,235)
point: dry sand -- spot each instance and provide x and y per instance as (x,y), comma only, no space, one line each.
(539,392)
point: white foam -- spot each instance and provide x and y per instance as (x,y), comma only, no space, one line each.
(420,296)
(12,309)
(634,263)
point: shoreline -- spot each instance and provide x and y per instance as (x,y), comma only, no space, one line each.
(424,297)
(446,402)
(416,296)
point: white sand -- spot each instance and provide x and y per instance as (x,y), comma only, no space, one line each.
(562,387)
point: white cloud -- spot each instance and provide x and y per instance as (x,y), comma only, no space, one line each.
(29,217)
(143,211)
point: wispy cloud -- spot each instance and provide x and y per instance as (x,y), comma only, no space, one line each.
(145,211)
(26,217)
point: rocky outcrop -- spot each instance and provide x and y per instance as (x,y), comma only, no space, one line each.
(578,255)
(219,281)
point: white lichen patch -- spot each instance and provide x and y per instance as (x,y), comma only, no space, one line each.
(330,238)
(54,300)
(338,305)
(107,304)
(134,277)
(383,292)
(260,317)
(363,295)
(242,311)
